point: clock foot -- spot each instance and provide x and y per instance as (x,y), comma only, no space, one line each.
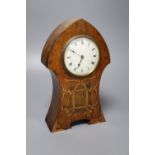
(97,119)
(60,127)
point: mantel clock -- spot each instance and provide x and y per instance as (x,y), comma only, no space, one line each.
(76,55)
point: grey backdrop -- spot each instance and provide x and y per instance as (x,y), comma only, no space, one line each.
(111,138)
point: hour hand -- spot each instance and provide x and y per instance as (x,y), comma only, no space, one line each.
(82,57)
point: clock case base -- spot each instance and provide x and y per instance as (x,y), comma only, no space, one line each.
(57,128)
(65,109)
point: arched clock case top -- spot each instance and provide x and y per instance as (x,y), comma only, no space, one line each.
(74,97)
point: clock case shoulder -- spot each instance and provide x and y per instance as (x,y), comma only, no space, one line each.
(52,38)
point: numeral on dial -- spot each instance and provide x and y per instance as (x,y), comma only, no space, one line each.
(92,62)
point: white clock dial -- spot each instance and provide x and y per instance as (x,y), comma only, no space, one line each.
(81,56)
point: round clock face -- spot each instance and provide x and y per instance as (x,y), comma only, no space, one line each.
(81,56)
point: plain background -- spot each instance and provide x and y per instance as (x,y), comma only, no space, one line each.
(110,17)
(13,77)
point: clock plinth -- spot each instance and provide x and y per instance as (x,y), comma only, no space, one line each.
(75,97)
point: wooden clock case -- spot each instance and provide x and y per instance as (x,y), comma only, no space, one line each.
(74,98)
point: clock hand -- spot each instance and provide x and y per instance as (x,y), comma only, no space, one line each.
(82,57)
(75,52)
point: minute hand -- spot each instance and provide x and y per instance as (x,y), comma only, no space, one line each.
(75,53)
